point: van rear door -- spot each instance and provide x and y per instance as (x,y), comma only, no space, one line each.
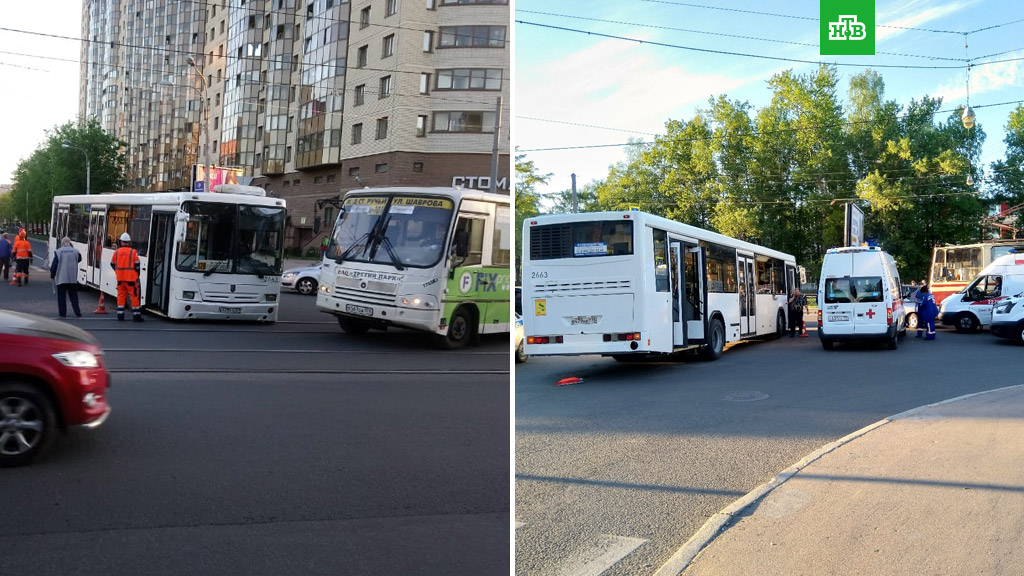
(871,315)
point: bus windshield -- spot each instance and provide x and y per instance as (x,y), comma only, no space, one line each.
(231,239)
(401,231)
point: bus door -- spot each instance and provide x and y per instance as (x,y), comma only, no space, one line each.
(748,318)
(94,246)
(687,293)
(161,241)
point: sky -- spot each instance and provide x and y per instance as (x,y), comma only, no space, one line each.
(575,90)
(38,75)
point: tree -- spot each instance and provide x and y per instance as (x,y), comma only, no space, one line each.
(586,199)
(1008,174)
(52,170)
(527,199)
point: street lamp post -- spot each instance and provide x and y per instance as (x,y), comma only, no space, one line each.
(206,124)
(88,170)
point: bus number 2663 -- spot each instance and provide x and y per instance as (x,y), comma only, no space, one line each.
(539,275)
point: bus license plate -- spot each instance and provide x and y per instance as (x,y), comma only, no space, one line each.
(577,320)
(360,310)
(229,310)
(838,318)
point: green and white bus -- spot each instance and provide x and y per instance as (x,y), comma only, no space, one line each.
(431,259)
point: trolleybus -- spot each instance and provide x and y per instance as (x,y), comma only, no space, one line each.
(203,255)
(627,284)
(953,267)
(430,259)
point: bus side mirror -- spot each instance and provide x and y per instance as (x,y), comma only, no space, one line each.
(181,221)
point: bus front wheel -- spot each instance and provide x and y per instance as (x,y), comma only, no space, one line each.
(460,330)
(353,327)
(715,340)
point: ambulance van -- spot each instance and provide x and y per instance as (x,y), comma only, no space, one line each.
(860,297)
(971,308)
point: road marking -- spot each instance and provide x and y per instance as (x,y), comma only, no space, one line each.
(607,550)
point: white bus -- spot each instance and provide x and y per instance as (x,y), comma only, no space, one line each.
(626,284)
(431,259)
(203,256)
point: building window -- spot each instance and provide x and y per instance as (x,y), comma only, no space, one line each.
(387,47)
(390,7)
(360,94)
(417,166)
(431,4)
(380,168)
(469,79)
(287,183)
(428,41)
(457,2)
(464,122)
(472,36)
(424,83)
(361,56)
(296,181)
(357,133)
(318,179)
(364,17)
(353,171)
(385,87)
(382,128)
(421,125)
(331,178)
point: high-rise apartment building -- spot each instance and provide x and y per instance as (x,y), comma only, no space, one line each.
(307,98)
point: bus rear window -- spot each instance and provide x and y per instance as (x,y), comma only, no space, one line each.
(853,290)
(581,240)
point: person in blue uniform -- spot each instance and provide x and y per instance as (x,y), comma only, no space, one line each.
(927,310)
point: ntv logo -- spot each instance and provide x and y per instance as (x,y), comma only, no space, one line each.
(847,28)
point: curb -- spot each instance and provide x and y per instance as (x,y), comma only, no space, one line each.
(721,521)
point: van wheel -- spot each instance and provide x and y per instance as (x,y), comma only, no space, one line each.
(780,326)
(715,341)
(912,321)
(966,323)
(827,344)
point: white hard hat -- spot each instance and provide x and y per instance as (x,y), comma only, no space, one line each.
(125,237)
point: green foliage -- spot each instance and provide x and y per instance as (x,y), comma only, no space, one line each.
(52,170)
(527,199)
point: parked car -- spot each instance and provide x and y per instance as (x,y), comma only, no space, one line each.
(910,306)
(303,280)
(520,349)
(52,377)
(1008,319)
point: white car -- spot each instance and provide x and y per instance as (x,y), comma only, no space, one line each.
(520,351)
(302,280)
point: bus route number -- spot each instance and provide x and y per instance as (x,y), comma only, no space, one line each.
(539,274)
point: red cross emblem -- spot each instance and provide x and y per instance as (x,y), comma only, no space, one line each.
(870,313)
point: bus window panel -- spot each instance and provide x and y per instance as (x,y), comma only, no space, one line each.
(778,278)
(660,262)
(261,247)
(475,228)
(501,247)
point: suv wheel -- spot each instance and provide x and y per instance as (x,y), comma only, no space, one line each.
(27,423)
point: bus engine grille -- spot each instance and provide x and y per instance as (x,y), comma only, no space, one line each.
(365,285)
(579,287)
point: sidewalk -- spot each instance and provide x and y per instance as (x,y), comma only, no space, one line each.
(935,490)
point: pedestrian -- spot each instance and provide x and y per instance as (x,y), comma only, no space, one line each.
(126,269)
(796,312)
(927,310)
(22,257)
(64,273)
(6,251)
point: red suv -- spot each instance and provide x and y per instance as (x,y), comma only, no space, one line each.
(51,377)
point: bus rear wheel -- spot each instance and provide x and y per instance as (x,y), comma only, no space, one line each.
(460,331)
(715,341)
(353,327)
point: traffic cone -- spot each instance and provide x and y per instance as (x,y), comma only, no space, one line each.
(100,309)
(803,329)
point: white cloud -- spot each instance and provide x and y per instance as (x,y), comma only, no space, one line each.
(984,79)
(914,14)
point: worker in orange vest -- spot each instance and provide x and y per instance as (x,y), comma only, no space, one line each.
(126,268)
(22,258)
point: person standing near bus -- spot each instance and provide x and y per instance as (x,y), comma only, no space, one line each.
(126,268)
(6,251)
(64,273)
(927,310)
(796,312)
(22,258)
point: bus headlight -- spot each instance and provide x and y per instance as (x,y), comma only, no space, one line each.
(188,295)
(419,301)
(271,297)
(324,288)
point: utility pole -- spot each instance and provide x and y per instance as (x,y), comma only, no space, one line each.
(575,204)
(206,124)
(494,149)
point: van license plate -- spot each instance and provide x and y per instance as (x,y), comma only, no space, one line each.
(838,318)
(360,310)
(229,310)
(576,320)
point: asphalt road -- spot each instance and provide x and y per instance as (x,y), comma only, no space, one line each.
(270,449)
(614,474)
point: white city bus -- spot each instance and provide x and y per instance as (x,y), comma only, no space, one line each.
(431,259)
(625,284)
(203,256)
